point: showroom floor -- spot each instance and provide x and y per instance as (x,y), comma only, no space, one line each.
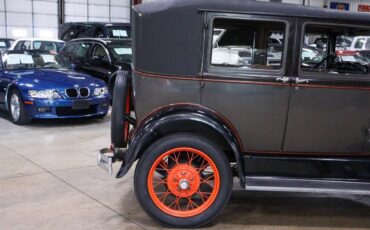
(49,180)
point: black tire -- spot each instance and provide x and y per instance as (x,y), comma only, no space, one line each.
(23,118)
(119,125)
(174,141)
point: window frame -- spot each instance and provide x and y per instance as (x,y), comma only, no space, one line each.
(209,68)
(320,75)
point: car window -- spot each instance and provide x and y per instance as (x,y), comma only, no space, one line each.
(26,45)
(245,44)
(100,53)
(87,32)
(23,45)
(360,43)
(47,45)
(346,55)
(122,52)
(119,31)
(367,46)
(69,48)
(81,49)
(3,44)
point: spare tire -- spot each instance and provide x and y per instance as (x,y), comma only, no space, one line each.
(120,109)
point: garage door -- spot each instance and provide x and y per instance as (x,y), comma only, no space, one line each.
(28,18)
(97,10)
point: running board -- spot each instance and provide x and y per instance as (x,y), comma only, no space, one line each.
(279,184)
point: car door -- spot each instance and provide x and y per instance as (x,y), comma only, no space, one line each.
(98,62)
(329,108)
(246,80)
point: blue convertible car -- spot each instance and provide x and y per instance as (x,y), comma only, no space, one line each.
(38,85)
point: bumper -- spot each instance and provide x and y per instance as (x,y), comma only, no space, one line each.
(61,108)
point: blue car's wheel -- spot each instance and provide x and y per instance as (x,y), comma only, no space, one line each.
(16,109)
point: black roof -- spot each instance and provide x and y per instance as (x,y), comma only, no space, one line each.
(251,7)
(168,34)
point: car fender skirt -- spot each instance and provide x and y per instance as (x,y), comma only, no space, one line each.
(173,119)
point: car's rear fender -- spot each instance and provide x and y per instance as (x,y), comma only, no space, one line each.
(188,118)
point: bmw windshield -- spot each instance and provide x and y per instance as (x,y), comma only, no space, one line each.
(31,60)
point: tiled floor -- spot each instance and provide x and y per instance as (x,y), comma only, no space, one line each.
(49,180)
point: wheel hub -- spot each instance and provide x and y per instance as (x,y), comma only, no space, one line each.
(183,180)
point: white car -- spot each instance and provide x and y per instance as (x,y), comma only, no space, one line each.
(52,45)
(360,43)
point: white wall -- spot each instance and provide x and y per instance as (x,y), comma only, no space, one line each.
(28,18)
(39,18)
(97,10)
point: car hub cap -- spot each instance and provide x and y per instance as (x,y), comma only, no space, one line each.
(15,107)
(183,182)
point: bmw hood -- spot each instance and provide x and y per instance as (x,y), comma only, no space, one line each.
(54,79)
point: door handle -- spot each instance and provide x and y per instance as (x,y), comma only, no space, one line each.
(283,79)
(300,81)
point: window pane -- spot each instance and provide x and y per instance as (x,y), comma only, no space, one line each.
(247,44)
(335,50)
(81,50)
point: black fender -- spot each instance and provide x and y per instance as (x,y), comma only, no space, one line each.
(150,128)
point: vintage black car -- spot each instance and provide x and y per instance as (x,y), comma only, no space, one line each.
(73,30)
(298,124)
(100,58)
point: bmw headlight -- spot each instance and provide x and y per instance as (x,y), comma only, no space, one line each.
(101,91)
(44,94)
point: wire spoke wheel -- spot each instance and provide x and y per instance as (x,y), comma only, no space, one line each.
(183,182)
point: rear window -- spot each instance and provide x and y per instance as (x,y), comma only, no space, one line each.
(122,52)
(119,31)
(48,45)
(248,44)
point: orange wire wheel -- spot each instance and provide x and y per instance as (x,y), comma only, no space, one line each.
(183,182)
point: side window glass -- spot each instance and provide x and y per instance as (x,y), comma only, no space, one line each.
(99,53)
(26,45)
(245,44)
(69,49)
(81,49)
(19,45)
(335,50)
(37,45)
(314,49)
(359,43)
(367,46)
